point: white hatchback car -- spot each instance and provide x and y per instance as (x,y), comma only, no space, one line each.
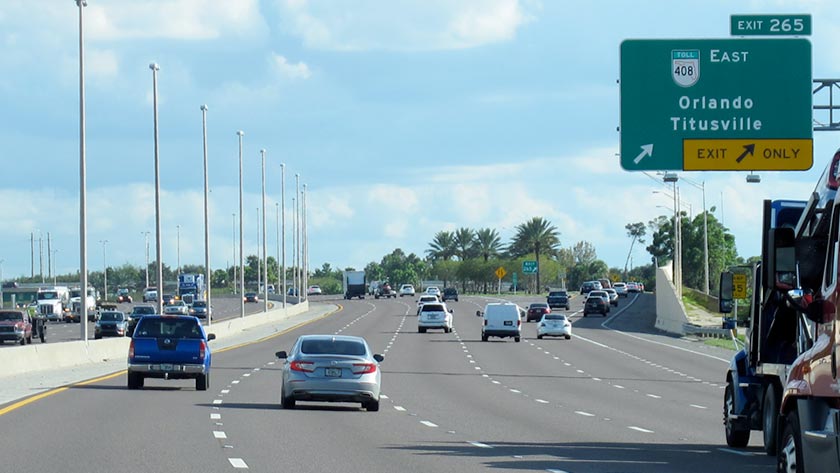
(407,290)
(425,299)
(433,291)
(554,325)
(434,315)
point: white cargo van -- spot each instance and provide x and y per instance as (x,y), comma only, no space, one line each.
(500,320)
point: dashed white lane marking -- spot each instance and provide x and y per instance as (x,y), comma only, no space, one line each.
(639,429)
(585,414)
(246,374)
(235,382)
(219,435)
(541,401)
(516,391)
(698,407)
(596,379)
(580,371)
(618,386)
(736,452)
(225,391)
(496,382)
(479,445)
(400,408)
(567,364)
(238,463)
(478,367)
(215,416)
(428,424)
(654,396)
(217,401)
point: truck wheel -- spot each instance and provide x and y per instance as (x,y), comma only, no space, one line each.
(23,340)
(789,459)
(736,436)
(135,380)
(770,415)
(202,382)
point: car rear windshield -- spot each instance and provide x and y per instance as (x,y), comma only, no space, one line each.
(428,298)
(144,310)
(557,294)
(555,317)
(332,347)
(539,306)
(11,316)
(432,308)
(167,327)
(111,316)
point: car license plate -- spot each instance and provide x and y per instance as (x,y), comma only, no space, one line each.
(508,322)
(166,367)
(332,372)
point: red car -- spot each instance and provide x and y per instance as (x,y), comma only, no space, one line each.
(537,310)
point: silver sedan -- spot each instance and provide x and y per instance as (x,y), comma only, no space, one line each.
(331,368)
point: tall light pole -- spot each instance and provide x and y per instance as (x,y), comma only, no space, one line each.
(264,252)
(1,284)
(207,271)
(158,250)
(146,235)
(235,280)
(298,234)
(277,240)
(259,257)
(54,275)
(104,270)
(294,251)
(241,133)
(83,273)
(305,285)
(702,187)
(178,249)
(283,227)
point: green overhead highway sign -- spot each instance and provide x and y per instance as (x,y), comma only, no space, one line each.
(681,100)
(770,25)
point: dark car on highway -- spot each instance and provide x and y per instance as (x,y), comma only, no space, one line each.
(558,299)
(449,294)
(537,310)
(251,297)
(596,305)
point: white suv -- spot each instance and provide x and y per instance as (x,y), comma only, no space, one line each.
(407,290)
(434,315)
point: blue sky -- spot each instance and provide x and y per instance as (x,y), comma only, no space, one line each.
(402,117)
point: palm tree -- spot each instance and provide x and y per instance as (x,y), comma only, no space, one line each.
(464,242)
(443,246)
(535,235)
(487,243)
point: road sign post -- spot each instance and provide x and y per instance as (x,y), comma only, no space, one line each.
(500,273)
(717,104)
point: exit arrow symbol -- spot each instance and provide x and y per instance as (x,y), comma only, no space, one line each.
(748,149)
(647,150)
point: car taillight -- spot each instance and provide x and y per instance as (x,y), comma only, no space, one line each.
(518,322)
(303,366)
(202,350)
(364,368)
(131,350)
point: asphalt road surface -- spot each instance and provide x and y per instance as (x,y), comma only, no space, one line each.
(614,398)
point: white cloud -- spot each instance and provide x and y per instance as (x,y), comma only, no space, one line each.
(282,67)
(173,19)
(407,25)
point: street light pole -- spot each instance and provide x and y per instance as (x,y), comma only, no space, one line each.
(178,249)
(235,280)
(305,285)
(1,284)
(158,250)
(299,286)
(82,172)
(264,252)
(241,133)
(259,256)
(146,234)
(277,221)
(702,187)
(104,270)
(294,250)
(207,272)
(283,227)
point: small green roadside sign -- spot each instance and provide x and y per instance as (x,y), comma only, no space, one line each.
(716,104)
(529,267)
(770,25)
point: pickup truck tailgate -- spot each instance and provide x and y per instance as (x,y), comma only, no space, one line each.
(167,350)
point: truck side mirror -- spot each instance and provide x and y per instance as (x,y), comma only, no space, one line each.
(725,298)
(211,336)
(281,354)
(478,313)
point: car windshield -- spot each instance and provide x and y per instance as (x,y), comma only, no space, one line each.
(168,327)
(15,316)
(44,296)
(332,347)
(111,317)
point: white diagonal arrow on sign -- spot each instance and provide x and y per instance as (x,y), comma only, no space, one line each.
(647,150)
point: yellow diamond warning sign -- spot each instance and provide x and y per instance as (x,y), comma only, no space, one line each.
(500,272)
(748,155)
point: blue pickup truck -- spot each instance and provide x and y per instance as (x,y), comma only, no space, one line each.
(167,347)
